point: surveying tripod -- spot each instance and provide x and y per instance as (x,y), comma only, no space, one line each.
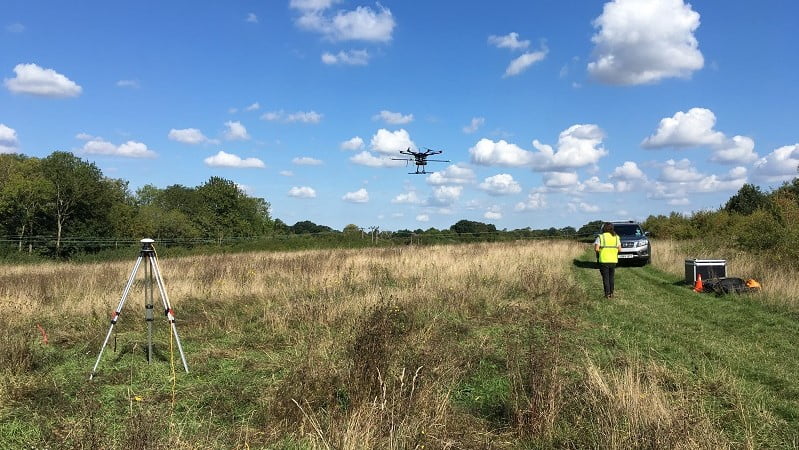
(151,271)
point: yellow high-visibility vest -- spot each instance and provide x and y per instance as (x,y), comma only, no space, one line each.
(608,248)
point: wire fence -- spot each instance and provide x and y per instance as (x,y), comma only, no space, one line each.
(70,246)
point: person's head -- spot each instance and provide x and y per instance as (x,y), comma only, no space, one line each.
(608,228)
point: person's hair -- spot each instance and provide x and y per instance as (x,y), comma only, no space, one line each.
(608,228)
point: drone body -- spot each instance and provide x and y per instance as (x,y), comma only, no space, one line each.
(420,159)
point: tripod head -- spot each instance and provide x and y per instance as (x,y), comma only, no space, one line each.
(147,245)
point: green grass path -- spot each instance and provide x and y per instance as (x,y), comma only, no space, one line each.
(739,355)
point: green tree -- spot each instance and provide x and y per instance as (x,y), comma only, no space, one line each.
(23,195)
(468,226)
(80,200)
(748,199)
(590,229)
(228,211)
(307,227)
(351,229)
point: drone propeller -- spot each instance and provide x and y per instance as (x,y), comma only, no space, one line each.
(403,159)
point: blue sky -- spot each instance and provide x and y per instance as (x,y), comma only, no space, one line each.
(553,113)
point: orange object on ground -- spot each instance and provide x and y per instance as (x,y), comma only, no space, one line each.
(44,335)
(698,285)
(752,284)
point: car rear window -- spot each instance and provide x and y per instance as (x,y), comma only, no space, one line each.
(628,230)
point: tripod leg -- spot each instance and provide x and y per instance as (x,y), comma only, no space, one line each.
(168,309)
(148,307)
(116,314)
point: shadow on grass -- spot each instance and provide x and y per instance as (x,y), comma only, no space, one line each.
(595,265)
(585,264)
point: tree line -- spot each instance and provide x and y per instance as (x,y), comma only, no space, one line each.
(61,205)
(752,220)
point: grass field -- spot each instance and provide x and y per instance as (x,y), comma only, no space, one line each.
(507,345)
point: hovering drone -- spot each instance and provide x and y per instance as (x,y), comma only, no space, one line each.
(420,159)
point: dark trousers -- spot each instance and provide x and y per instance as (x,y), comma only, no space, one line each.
(608,271)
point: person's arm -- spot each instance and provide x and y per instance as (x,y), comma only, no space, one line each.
(596,244)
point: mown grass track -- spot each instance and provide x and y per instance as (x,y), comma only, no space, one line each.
(734,354)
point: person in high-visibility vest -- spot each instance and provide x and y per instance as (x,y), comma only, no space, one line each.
(607,245)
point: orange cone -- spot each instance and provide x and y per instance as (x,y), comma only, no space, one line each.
(698,285)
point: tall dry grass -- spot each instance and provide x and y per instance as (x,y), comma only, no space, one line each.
(632,409)
(778,283)
(376,325)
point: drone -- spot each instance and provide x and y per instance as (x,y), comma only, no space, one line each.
(420,159)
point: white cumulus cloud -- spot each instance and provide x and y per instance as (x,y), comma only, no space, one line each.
(535,200)
(391,142)
(779,165)
(494,212)
(523,62)
(444,195)
(422,218)
(695,128)
(454,174)
(251,18)
(393,118)
(627,172)
(9,143)
(583,207)
(348,58)
(679,172)
(594,184)
(645,41)
(130,149)
(272,116)
(355,143)
(476,123)
(311,5)
(560,180)
(510,41)
(366,158)
(501,184)
(304,117)
(187,136)
(578,146)
(34,80)
(307,161)
(736,150)
(628,177)
(409,198)
(302,192)
(236,131)
(223,159)
(359,196)
(299,116)
(489,153)
(361,24)
(686,129)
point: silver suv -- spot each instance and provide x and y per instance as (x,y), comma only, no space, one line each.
(635,245)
